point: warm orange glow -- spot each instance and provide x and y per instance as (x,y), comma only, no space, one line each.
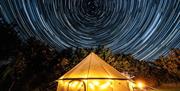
(131,84)
(80,85)
(140,85)
(74,84)
(95,82)
(107,84)
(97,76)
(91,85)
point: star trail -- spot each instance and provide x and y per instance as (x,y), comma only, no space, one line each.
(145,28)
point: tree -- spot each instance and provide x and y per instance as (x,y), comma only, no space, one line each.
(36,65)
(9,40)
(171,64)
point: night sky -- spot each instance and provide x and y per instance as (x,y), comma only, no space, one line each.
(145,28)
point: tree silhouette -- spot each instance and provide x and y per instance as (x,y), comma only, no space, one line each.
(35,65)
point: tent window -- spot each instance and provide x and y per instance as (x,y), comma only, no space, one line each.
(76,85)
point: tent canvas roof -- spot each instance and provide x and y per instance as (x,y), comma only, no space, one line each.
(93,67)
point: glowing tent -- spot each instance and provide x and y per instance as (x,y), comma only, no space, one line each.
(93,74)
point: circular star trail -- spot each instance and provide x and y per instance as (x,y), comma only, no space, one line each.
(145,28)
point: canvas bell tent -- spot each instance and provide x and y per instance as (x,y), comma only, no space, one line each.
(94,74)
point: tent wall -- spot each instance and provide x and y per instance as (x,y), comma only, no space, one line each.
(121,85)
(93,85)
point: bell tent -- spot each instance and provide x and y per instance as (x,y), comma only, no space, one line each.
(94,74)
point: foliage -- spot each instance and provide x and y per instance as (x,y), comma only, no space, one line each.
(35,65)
(9,40)
(171,63)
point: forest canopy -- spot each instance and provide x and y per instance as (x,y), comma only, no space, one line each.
(34,65)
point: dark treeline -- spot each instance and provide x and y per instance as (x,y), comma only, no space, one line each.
(34,65)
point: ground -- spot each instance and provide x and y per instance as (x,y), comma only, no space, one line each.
(172,89)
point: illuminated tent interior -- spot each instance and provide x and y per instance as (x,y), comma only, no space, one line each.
(94,74)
